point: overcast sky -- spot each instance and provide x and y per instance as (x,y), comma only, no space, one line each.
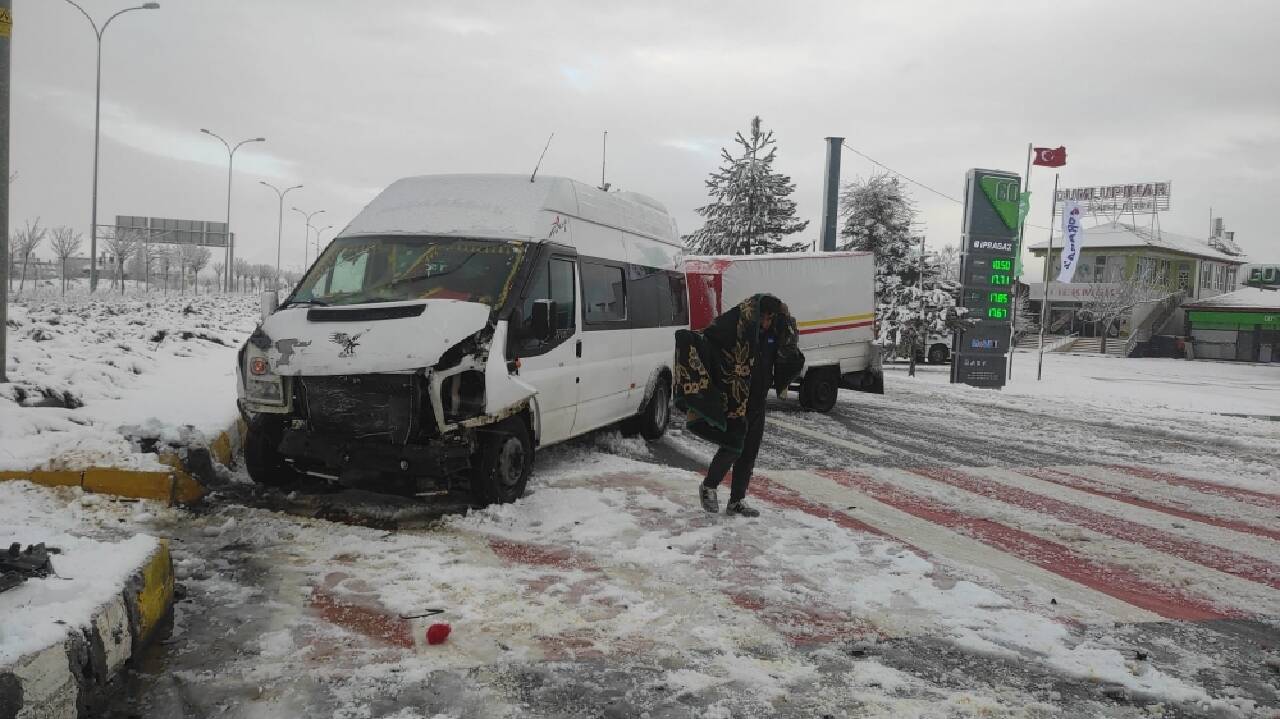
(352,96)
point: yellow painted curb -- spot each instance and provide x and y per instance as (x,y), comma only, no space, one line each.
(226,444)
(174,487)
(49,478)
(155,598)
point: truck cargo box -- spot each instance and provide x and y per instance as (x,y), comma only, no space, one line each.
(831,295)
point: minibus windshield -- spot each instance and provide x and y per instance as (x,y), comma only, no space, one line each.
(357,270)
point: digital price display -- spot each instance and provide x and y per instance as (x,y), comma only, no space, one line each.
(993,203)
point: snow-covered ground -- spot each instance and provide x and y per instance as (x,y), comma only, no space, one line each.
(92,564)
(1099,383)
(91,374)
(1098,544)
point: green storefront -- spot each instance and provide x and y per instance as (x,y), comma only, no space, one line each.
(1247,335)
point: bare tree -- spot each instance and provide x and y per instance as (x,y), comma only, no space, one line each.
(164,260)
(200,257)
(66,242)
(218,267)
(1108,302)
(121,244)
(25,242)
(240,269)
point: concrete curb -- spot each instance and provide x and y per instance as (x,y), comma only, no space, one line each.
(72,677)
(178,485)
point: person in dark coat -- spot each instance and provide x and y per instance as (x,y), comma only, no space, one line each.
(723,378)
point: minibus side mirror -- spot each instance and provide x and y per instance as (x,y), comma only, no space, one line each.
(543,320)
(268,302)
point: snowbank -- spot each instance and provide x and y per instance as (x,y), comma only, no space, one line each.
(93,375)
(91,568)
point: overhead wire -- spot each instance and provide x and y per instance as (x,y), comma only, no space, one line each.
(939,193)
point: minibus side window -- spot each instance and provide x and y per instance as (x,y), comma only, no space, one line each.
(552,280)
(604,293)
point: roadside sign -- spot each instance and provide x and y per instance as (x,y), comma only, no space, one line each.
(980,370)
(992,208)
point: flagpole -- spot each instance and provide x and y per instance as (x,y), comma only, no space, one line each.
(1048,258)
(1017,257)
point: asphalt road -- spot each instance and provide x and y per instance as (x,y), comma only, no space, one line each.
(1050,510)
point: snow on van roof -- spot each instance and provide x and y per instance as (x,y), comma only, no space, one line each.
(506,207)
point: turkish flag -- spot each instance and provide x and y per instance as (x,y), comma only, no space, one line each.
(1050,156)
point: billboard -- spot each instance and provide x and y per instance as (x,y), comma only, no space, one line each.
(175,232)
(1119,199)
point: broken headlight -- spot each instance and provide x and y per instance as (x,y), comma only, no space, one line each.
(261,385)
(462,395)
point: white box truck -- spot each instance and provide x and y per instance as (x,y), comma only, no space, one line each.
(831,295)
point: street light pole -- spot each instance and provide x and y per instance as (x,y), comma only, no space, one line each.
(320,231)
(306,237)
(97,117)
(279,222)
(6,10)
(231,159)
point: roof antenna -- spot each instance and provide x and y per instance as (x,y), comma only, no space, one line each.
(604,156)
(544,154)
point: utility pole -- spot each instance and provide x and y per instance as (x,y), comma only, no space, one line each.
(6,30)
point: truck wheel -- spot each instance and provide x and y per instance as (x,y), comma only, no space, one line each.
(502,467)
(656,412)
(938,354)
(262,452)
(820,388)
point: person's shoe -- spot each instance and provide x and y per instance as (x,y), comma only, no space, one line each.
(741,509)
(710,501)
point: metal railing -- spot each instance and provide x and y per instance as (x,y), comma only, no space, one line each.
(1159,314)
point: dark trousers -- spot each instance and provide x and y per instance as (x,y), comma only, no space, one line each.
(743,464)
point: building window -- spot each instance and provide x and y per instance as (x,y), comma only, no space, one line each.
(1206,275)
(1100,268)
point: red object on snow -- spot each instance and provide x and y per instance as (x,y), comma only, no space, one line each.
(437,633)
(1050,156)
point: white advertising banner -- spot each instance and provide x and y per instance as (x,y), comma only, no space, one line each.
(1073,238)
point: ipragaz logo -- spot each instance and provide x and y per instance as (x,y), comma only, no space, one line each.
(347,342)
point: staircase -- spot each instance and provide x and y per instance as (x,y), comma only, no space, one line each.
(1093,345)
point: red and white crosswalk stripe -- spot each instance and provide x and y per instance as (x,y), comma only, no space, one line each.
(1131,559)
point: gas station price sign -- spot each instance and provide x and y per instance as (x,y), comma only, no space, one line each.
(988,272)
(990,246)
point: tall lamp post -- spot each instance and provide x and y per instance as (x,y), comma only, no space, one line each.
(320,231)
(306,230)
(279,222)
(97,116)
(231,159)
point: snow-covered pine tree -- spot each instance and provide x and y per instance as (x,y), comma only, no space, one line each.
(750,212)
(878,217)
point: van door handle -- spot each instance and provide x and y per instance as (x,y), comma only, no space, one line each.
(579,349)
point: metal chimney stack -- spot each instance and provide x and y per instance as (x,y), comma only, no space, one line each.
(831,194)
